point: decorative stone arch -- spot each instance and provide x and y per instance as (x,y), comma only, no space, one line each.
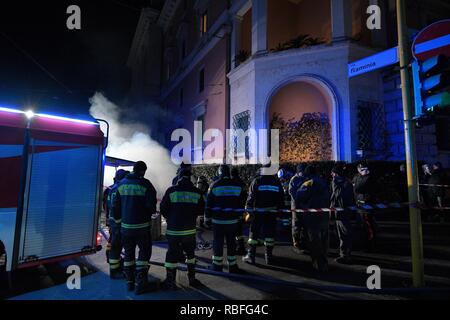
(327,89)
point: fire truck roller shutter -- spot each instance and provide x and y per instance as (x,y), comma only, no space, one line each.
(11,149)
(61,199)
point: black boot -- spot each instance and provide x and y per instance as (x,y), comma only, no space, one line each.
(240,247)
(116,274)
(191,276)
(142,284)
(169,283)
(130,276)
(216,267)
(234,269)
(251,254)
(268,255)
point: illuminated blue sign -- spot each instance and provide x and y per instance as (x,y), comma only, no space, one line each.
(374,62)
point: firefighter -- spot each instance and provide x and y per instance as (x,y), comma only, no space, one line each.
(240,244)
(224,193)
(134,204)
(115,239)
(314,194)
(298,233)
(265,193)
(180,207)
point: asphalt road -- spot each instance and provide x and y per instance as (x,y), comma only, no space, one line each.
(290,277)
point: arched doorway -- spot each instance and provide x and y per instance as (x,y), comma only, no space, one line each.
(304,111)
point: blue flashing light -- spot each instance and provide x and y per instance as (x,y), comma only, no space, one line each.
(11,110)
(66,119)
(48,116)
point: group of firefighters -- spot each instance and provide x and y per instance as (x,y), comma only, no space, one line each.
(225,205)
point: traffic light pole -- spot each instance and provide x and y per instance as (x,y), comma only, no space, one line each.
(410,148)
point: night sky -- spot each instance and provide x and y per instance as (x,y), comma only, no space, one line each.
(82,61)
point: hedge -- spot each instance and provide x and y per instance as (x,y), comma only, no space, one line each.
(388,173)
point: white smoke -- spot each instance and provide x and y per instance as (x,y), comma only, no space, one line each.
(132,142)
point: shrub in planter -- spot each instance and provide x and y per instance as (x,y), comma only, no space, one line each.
(386,172)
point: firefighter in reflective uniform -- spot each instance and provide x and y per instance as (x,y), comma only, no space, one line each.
(224,193)
(115,239)
(265,193)
(180,207)
(240,245)
(134,204)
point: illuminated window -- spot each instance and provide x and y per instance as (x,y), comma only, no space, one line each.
(204,23)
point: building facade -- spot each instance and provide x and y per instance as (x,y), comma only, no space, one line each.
(242,64)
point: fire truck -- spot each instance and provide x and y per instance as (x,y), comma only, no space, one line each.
(51,181)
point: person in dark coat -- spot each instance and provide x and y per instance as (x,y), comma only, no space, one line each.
(183,166)
(314,194)
(342,197)
(436,190)
(114,247)
(298,233)
(203,186)
(240,241)
(365,188)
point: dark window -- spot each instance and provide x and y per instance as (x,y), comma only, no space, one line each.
(371,128)
(201,80)
(181,98)
(168,71)
(242,121)
(183,49)
(443,132)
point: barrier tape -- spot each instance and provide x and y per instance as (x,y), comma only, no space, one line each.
(434,185)
(378,206)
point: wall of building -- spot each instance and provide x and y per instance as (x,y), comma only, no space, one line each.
(360,32)
(288,19)
(426,137)
(295,99)
(213,96)
(255,83)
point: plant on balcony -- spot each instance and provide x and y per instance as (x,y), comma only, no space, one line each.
(302,41)
(242,56)
(307,139)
